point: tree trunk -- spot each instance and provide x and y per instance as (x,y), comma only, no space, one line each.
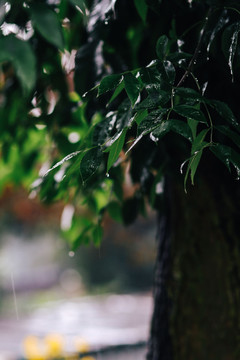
(204,284)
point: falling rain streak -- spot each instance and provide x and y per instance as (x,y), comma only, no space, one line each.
(14,296)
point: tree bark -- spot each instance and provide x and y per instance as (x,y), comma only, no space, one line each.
(160,345)
(204,281)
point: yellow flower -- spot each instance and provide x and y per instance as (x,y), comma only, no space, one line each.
(55,345)
(81,345)
(33,349)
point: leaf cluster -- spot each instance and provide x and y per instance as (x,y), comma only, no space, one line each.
(148,100)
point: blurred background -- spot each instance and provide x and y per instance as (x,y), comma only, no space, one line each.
(85,300)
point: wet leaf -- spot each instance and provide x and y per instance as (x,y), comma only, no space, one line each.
(142,9)
(66,158)
(140,115)
(179,58)
(221,22)
(176,126)
(109,83)
(193,124)
(170,71)
(115,149)
(47,23)
(132,87)
(194,164)
(117,91)
(151,121)
(198,142)
(90,163)
(232,135)
(20,54)
(225,112)
(103,130)
(154,99)
(124,116)
(223,153)
(80,4)
(228,156)
(191,112)
(161,47)
(230,41)
(188,93)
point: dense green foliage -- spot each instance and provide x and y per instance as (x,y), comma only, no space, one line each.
(143,103)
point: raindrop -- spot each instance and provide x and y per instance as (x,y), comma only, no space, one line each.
(154,138)
(106,22)
(71,253)
(84,95)
(107,175)
(204,87)
(182,166)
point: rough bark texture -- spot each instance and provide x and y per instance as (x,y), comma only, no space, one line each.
(204,285)
(160,346)
(206,270)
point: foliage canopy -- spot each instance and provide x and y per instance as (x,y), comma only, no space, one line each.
(107,94)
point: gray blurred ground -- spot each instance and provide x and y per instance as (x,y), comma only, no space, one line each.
(101,321)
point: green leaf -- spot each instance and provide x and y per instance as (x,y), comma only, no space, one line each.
(176,126)
(191,112)
(20,54)
(154,100)
(90,163)
(132,87)
(193,124)
(223,153)
(232,135)
(155,78)
(188,93)
(109,82)
(221,22)
(115,149)
(198,142)
(66,158)
(197,148)
(229,43)
(124,116)
(180,128)
(170,71)
(179,58)
(161,47)
(80,4)
(151,121)
(225,112)
(97,234)
(194,162)
(47,24)
(114,211)
(118,90)
(228,156)
(142,9)
(140,115)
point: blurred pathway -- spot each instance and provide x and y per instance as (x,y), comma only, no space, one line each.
(100,320)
